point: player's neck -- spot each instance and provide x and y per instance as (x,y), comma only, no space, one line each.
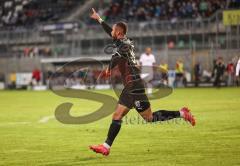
(121,37)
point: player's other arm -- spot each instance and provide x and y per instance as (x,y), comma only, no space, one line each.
(154,64)
(139,65)
(238,68)
(105,26)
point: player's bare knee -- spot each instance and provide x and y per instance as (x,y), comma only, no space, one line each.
(148,118)
(117,116)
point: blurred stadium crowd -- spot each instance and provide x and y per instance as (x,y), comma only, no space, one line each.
(29,12)
(150,10)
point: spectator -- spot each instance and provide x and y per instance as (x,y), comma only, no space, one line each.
(142,10)
(230,73)
(164,73)
(179,73)
(197,73)
(206,76)
(36,76)
(36,51)
(26,51)
(218,72)
(203,7)
(28,12)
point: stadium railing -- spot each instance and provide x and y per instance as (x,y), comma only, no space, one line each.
(201,34)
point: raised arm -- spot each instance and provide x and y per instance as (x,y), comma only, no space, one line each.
(105,26)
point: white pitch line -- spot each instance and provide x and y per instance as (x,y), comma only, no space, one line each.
(14,123)
(45,119)
(23,150)
(42,120)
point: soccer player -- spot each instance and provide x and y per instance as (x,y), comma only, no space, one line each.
(133,94)
(147,61)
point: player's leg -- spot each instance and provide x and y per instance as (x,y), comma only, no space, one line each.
(115,126)
(142,105)
(147,76)
(113,131)
(163,115)
(149,79)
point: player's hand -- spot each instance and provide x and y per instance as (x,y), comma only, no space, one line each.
(107,72)
(95,15)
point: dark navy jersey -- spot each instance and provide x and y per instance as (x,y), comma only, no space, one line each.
(123,58)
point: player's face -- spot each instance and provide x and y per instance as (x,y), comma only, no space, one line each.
(148,51)
(114,32)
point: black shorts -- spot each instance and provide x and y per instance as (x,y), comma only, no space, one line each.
(134,96)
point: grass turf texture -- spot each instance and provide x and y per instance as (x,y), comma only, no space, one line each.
(215,140)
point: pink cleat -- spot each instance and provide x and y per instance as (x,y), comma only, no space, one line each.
(187,116)
(100,149)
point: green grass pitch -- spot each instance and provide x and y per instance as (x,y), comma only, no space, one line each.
(215,140)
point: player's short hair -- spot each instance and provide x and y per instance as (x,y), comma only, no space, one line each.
(123,26)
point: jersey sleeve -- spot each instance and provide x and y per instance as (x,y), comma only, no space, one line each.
(238,68)
(107,28)
(154,60)
(141,58)
(114,61)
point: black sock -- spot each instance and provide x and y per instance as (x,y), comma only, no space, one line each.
(113,131)
(163,115)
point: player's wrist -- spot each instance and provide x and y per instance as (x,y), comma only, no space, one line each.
(100,20)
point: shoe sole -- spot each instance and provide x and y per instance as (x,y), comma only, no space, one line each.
(104,154)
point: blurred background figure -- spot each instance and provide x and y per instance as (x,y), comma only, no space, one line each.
(197,73)
(147,63)
(218,72)
(36,76)
(164,72)
(206,76)
(179,80)
(230,73)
